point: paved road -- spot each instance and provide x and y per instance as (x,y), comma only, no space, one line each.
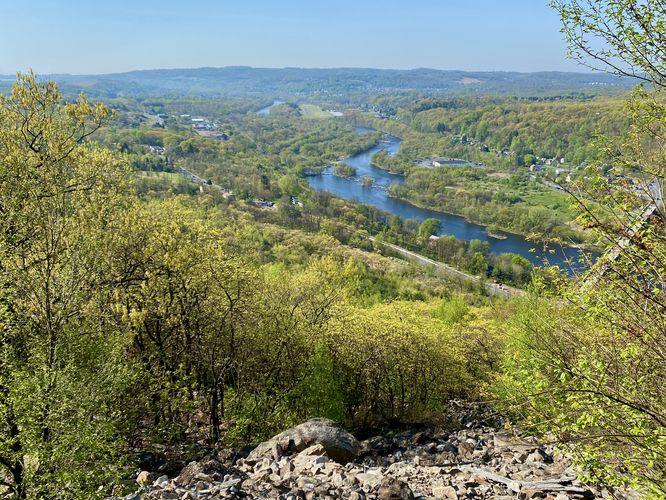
(199,180)
(492,288)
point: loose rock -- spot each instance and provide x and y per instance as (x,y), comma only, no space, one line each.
(144,478)
(469,459)
(338,443)
(394,489)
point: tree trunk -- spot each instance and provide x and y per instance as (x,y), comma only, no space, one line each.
(214,415)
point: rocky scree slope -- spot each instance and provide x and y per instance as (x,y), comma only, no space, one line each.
(318,459)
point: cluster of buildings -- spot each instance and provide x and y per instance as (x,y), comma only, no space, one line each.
(207,128)
(557,161)
(379,113)
(442,161)
(463,139)
(262,203)
(484,148)
(541,162)
(202,124)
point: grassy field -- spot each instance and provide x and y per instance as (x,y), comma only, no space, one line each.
(171,178)
(550,199)
(313,111)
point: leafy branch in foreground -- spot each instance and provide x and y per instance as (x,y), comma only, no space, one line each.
(590,366)
(624,37)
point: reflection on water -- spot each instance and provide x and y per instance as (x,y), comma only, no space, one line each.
(267,109)
(351,189)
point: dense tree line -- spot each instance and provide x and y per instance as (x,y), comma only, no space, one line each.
(563,129)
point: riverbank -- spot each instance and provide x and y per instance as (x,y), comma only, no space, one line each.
(578,246)
(455,224)
(494,289)
(486,225)
(377,165)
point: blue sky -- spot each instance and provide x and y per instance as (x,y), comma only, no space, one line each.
(102,36)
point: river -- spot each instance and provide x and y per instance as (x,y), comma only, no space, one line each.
(267,109)
(351,189)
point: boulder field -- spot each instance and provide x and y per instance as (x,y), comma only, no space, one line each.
(477,458)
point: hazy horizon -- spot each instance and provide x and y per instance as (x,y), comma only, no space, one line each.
(581,70)
(83,38)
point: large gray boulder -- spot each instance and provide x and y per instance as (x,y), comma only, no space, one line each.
(338,444)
